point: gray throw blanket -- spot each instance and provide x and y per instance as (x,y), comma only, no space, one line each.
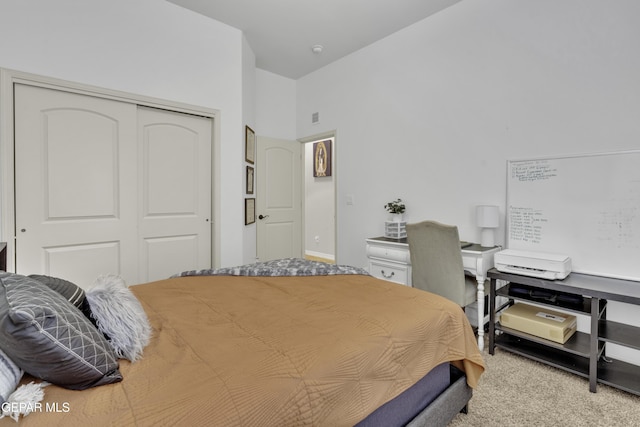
(279,267)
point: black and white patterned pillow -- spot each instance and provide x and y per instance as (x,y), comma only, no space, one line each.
(48,337)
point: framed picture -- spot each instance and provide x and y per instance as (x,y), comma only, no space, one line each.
(249,180)
(249,145)
(322,159)
(249,211)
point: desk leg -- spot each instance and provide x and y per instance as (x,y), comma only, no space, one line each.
(480,280)
(492,316)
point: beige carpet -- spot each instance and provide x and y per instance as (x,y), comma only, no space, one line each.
(515,391)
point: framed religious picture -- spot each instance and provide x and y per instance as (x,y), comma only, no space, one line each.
(322,158)
(249,145)
(249,211)
(249,180)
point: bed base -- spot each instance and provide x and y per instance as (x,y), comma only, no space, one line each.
(447,405)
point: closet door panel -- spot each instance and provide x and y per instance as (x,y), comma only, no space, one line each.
(81,165)
(175,202)
(75,158)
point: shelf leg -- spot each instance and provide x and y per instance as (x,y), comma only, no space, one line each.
(492,316)
(593,353)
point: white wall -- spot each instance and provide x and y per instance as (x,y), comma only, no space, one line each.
(275,106)
(432,113)
(249,83)
(146,47)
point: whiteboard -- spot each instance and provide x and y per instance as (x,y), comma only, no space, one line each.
(583,206)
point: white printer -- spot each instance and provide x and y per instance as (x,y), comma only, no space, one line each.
(536,264)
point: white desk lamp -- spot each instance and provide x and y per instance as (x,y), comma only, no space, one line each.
(487,219)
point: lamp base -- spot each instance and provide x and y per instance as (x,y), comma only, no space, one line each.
(487,239)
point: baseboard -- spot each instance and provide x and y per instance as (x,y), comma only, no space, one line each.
(318,256)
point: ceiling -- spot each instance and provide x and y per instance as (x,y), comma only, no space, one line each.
(282,32)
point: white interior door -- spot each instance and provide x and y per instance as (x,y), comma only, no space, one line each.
(278,199)
(108,187)
(175,184)
(75,205)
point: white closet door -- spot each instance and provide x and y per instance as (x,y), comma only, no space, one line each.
(108,187)
(74,166)
(175,188)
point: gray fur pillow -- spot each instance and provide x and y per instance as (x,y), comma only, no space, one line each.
(119,316)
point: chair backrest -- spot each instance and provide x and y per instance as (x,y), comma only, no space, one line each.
(436,260)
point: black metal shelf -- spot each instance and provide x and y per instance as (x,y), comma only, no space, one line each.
(619,333)
(553,356)
(584,308)
(619,374)
(579,343)
(583,353)
(612,372)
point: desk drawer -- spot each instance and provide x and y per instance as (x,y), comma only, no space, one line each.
(388,253)
(391,272)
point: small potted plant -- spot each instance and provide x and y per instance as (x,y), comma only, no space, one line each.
(396,208)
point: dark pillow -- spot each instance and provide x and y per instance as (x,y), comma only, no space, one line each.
(72,292)
(48,337)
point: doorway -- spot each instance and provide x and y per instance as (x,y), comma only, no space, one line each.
(295,210)
(319,189)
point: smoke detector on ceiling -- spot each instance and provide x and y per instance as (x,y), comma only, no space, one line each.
(316,48)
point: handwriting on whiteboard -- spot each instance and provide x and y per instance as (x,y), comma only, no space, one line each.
(533,170)
(526,224)
(618,221)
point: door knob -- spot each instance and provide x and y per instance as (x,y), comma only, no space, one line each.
(263,216)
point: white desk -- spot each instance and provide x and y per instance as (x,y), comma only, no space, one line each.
(389,259)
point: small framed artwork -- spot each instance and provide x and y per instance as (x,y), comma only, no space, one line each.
(249,180)
(322,159)
(249,145)
(249,211)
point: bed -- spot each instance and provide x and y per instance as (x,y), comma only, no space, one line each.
(285,343)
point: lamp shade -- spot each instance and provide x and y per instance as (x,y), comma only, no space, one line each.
(487,216)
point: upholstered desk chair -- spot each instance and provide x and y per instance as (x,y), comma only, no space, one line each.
(436,262)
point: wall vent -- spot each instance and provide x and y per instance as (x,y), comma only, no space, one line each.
(315,118)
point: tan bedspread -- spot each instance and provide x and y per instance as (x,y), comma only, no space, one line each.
(272,351)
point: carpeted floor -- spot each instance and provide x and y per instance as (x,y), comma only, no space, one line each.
(515,391)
